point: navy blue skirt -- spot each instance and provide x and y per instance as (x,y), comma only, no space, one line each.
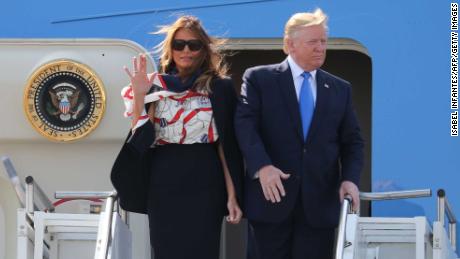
(187,201)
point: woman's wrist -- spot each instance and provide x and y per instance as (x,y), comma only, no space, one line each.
(139,95)
(231,196)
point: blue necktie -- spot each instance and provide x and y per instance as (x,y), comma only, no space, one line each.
(306,104)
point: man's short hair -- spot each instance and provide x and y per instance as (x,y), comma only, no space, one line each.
(302,20)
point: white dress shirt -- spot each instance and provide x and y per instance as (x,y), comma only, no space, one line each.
(297,71)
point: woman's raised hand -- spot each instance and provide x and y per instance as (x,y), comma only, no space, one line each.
(140,81)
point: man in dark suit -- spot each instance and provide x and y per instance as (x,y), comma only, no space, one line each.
(301,141)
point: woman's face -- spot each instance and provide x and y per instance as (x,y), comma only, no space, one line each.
(186,50)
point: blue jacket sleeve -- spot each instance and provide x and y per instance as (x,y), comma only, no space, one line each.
(351,144)
(247,124)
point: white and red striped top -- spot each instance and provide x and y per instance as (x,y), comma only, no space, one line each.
(180,118)
(185,119)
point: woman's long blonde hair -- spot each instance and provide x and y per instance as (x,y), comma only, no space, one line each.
(212,62)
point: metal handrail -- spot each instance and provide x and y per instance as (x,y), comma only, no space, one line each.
(26,198)
(105,223)
(124,214)
(379,196)
(105,227)
(82,195)
(443,207)
(34,190)
(369,196)
(14,179)
(341,242)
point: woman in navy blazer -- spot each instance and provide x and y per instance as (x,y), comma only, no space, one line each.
(184,180)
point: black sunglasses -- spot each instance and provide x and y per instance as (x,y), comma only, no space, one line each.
(193,45)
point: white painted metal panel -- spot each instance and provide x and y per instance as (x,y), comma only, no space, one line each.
(82,165)
(2,233)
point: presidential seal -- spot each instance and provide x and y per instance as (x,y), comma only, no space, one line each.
(64,100)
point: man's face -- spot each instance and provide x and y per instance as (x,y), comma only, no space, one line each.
(308,47)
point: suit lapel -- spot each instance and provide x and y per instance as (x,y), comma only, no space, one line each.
(322,101)
(287,89)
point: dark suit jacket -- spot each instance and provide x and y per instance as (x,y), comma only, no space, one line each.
(269,131)
(131,170)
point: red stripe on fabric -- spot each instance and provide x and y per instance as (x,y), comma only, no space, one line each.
(143,117)
(190,116)
(176,116)
(195,112)
(193,94)
(184,135)
(188,95)
(210,132)
(163,142)
(163,84)
(173,120)
(128,93)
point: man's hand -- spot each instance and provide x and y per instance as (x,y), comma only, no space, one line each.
(270,180)
(350,188)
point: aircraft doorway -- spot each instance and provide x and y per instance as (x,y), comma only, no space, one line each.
(347,59)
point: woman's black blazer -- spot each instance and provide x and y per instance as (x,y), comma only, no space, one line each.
(131,170)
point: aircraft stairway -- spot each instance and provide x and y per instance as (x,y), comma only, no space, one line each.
(43,233)
(393,238)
